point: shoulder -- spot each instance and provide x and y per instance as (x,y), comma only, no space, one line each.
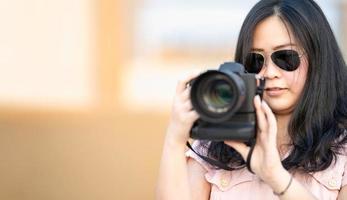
(327,184)
(197,181)
(197,170)
(335,176)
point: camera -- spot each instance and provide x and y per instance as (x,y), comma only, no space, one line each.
(224,100)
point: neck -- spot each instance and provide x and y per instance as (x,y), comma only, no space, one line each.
(282,133)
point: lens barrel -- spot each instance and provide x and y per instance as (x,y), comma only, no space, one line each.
(216,95)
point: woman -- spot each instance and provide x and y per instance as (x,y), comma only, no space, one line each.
(301,138)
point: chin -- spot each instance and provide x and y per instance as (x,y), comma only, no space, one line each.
(279,107)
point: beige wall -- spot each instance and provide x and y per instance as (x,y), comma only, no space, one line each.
(103,152)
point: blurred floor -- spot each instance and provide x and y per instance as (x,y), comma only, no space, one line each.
(80,157)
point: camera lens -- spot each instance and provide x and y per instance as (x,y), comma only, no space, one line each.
(219,96)
(216,96)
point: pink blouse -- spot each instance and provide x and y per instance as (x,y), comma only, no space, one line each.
(241,184)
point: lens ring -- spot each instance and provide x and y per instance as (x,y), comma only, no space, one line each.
(219,96)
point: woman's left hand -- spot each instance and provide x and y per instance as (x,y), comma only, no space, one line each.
(265,161)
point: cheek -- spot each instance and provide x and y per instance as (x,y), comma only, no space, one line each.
(296,80)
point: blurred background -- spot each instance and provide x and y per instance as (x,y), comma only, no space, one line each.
(86,88)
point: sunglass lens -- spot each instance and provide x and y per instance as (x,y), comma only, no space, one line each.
(288,60)
(254,62)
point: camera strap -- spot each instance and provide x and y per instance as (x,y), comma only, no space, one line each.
(249,156)
(211,161)
(261,87)
(222,165)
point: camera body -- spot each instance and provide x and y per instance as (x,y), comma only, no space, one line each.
(224,100)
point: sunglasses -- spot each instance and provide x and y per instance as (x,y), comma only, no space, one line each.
(288,60)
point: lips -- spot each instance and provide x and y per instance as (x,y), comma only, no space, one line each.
(275,91)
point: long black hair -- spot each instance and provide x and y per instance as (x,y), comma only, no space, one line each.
(317,128)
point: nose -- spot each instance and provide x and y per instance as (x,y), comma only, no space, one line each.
(270,69)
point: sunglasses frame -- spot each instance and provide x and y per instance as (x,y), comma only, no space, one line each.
(265,56)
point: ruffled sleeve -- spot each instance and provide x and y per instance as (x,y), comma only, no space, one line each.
(344,164)
(219,178)
(196,146)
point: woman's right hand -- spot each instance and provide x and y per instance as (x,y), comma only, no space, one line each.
(182,114)
(174,180)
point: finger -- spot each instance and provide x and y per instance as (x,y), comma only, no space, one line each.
(272,122)
(185,94)
(193,116)
(182,83)
(187,106)
(261,118)
(239,147)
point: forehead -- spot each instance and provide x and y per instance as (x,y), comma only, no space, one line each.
(272,33)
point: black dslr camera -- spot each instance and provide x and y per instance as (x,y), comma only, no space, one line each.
(224,100)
